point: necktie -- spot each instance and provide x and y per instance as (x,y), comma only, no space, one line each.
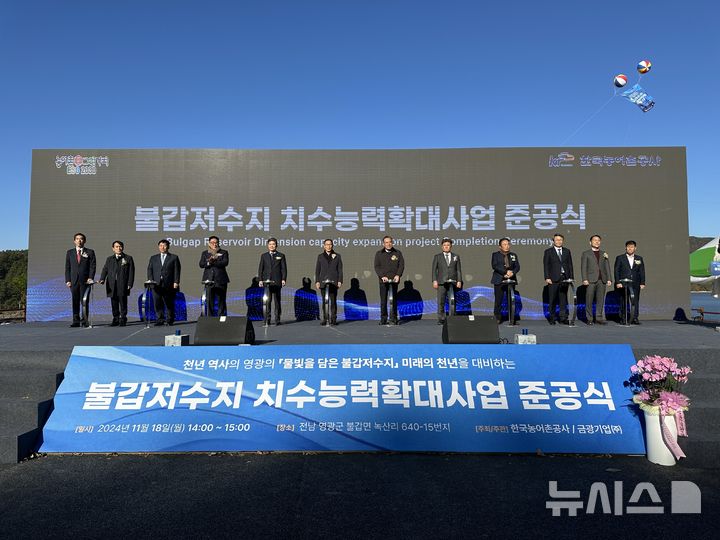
(78,256)
(447,258)
(559,250)
(162,259)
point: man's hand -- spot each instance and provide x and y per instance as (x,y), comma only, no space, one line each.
(435,284)
(68,284)
(618,286)
(317,285)
(176,285)
(548,281)
(384,279)
(396,279)
(642,286)
(459,284)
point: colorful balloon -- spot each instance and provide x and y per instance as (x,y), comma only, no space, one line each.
(644,66)
(620,80)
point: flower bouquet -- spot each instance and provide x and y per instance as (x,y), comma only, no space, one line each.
(655,381)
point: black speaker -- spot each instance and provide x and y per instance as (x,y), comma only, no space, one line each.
(470,329)
(224,331)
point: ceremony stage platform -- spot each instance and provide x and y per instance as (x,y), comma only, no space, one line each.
(353,495)
(56,336)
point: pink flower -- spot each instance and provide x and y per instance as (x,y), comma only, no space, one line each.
(671,402)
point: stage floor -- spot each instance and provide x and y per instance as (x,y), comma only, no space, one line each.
(57,336)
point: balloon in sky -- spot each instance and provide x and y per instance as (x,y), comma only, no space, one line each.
(620,80)
(644,66)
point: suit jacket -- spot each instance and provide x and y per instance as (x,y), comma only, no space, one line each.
(623,270)
(272,268)
(118,275)
(442,271)
(389,264)
(331,269)
(591,271)
(552,265)
(75,272)
(498,266)
(165,274)
(216,270)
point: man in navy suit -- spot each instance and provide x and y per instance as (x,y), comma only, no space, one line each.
(164,269)
(213,261)
(631,266)
(446,269)
(79,272)
(558,267)
(505,265)
(273,267)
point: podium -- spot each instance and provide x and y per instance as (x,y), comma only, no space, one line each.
(510,291)
(145,301)
(570,284)
(85,303)
(266,300)
(628,298)
(328,315)
(392,302)
(205,308)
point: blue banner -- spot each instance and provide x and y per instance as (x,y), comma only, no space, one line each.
(639,97)
(447,398)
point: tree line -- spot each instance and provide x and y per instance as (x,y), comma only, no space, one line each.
(13,278)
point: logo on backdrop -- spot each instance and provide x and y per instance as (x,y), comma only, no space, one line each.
(81,164)
(566,159)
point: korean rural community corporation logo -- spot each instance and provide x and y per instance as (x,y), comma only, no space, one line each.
(81,164)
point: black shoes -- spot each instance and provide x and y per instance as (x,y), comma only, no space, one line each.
(75,324)
(115,322)
(551,321)
(441,321)
(159,322)
(635,321)
(123,322)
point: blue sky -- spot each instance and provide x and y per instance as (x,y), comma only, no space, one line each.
(353,74)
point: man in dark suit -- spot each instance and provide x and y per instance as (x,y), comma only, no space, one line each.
(213,261)
(558,266)
(273,267)
(631,266)
(505,265)
(118,275)
(164,269)
(329,268)
(445,266)
(595,272)
(389,266)
(79,272)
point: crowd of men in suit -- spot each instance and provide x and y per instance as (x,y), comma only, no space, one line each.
(163,271)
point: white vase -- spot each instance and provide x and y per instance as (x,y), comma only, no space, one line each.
(657,451)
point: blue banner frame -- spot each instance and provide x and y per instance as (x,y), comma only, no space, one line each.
(418,397)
